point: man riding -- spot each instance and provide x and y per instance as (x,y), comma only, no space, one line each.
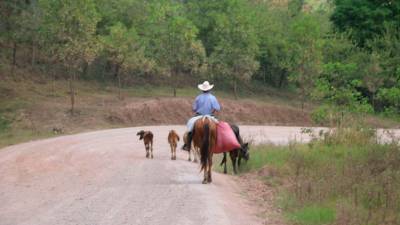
(205,104)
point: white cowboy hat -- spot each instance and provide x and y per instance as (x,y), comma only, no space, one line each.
(205,86)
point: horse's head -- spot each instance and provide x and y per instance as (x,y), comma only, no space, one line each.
(244,151)
(140,134)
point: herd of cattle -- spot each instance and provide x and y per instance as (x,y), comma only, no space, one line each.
(236,155)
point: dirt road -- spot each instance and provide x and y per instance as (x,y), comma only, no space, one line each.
(103,177)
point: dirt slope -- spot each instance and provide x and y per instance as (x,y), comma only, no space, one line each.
(178,110)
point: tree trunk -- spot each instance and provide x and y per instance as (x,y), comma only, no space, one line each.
(116,71)
(235,88)
(119,87)
(173,77)
(72,92)
(116,75)
(264,75)
(303,98)
(14,57)
(281,78)
(85,68)
(53,86)
(33,54)
(373,100)
(14,62)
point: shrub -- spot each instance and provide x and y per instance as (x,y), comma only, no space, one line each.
(320,115)
(4,123)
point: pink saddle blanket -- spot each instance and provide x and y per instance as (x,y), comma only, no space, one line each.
(226,139)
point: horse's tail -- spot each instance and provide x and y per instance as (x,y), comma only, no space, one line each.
(204,151)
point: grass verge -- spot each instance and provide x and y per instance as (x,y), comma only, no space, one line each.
(344,177)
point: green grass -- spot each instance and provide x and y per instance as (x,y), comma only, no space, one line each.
(263,155)
(312,215)
(260,156)
(20,136)
(347,172)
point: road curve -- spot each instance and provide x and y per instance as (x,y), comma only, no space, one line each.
(102,177)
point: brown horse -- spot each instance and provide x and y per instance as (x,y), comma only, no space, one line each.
(147,137)
(173,139)
(195,150)
(204,138)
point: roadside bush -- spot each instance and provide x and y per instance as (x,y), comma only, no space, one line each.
(320,115)
(4,124)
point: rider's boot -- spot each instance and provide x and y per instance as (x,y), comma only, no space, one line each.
(187,145)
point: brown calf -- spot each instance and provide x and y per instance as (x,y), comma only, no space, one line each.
(173,139)
(147,137)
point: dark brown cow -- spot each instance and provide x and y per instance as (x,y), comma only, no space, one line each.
(147,137)
(239,153)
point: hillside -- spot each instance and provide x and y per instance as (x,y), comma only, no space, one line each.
(35,108)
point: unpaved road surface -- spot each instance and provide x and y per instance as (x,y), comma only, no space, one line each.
(103,177)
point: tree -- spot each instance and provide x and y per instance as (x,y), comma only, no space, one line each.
(29,23)
(124,48)
(17,21)
(234,47)
(172,41)
(306,43)
(130,13)
(274,46)
(383,71)
(204,15)
(365,19)
(69,29)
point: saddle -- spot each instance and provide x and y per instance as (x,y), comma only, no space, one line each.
(226,138)
(192,121)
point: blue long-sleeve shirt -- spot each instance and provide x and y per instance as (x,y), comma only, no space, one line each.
(205,104)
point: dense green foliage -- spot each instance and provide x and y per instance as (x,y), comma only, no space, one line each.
(344,53)
(366,18)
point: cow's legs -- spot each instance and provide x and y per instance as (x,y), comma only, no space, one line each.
(233,159)
(174,151)
(147,150)
(151,148)
(224,162)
